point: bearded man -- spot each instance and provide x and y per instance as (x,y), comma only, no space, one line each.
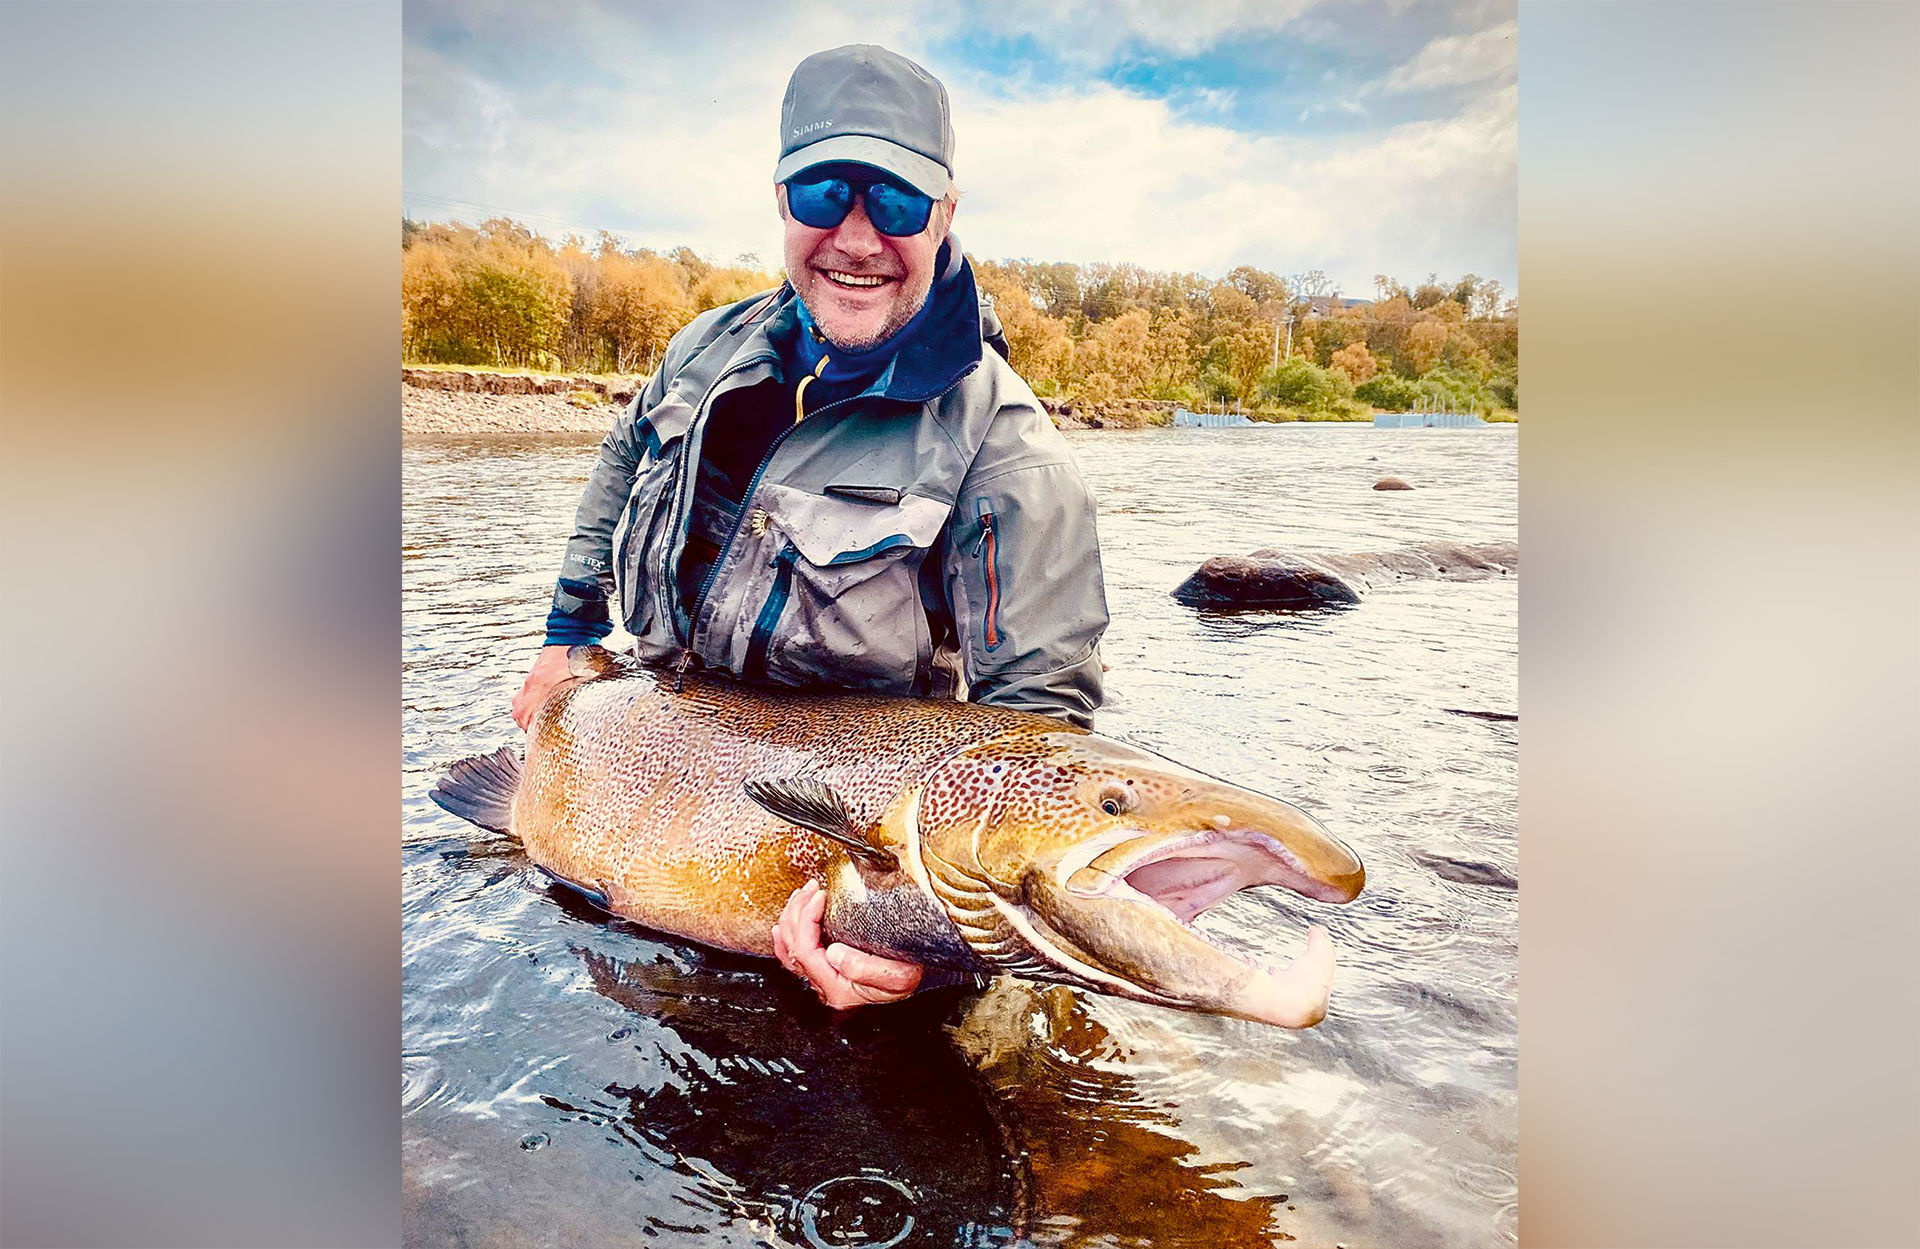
(841,482)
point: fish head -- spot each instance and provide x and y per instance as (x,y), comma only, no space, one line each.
(1075,858)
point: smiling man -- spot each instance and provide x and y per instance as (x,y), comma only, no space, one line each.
(841,482)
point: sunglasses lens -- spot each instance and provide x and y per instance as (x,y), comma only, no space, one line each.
(896,211)
(893,210)
(820,205)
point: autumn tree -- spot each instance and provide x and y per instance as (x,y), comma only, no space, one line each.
(1112,361)
(1311,284)
(1423,344)
(1038,345)
(640,305)
(1355,362)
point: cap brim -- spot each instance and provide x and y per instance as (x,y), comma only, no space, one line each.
(929,177)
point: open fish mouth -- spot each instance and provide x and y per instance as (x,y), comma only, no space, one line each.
(1188,874)
(1131,906)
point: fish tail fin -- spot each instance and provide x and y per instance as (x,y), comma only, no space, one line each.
(481,789)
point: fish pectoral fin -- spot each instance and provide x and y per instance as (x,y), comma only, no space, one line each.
(593,660)
(812,804)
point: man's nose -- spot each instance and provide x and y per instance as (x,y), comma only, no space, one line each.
(855,235)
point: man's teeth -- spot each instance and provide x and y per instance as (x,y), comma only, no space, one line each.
(854,279)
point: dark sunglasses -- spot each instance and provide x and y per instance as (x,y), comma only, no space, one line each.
(893,210)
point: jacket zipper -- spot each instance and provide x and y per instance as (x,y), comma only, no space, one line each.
(755,665)
(669,592)
(989,553)
(746,500)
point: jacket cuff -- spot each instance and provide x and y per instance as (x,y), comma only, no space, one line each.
(579,614)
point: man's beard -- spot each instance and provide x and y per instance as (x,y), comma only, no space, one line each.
(895,322)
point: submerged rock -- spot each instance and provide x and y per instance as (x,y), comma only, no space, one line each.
(1279,580)
(1466,871)
(1267,579)
(1391,483)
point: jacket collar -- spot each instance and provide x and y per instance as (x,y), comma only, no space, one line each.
(943,343)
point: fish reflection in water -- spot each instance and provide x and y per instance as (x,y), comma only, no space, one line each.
(983,1107)
(770,1102)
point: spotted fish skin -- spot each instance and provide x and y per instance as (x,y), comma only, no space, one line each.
(954,835)
(634,789)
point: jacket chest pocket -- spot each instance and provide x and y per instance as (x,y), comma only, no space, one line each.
(641,538)
(841,601)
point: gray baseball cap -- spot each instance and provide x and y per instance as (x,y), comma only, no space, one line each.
(866,105)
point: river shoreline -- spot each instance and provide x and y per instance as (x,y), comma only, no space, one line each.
(452,401)
(475,401)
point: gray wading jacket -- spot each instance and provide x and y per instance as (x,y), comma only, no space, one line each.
(926,536)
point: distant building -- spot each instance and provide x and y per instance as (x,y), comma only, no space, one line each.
(1327,305)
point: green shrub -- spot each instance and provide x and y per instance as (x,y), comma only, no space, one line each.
(1305,384)
(1390,391)
(1456,389)
(1505,388)
(1217,385)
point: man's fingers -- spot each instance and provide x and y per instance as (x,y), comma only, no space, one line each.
(842,976)
(799,921)
(871,971)
(797,939)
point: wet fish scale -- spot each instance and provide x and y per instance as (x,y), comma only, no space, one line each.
(674,830)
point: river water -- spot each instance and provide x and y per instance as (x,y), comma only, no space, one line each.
(570,1080)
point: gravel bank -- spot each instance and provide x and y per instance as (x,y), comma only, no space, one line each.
(461,412)
(446,402)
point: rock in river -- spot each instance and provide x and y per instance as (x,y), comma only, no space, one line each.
(1391,483)
(1271,579)
(1267,579)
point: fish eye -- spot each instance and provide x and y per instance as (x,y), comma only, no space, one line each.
(1115,800)
(1110,806)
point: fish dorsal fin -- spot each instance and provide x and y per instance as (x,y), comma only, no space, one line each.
(593,660)
(813,805)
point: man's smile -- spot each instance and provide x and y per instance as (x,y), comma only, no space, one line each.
(855,280)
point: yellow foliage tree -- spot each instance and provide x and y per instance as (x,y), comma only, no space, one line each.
(728,286)
(638,305)
(1115,352)
(1171,364)
(1038,345)
(1356,362)
(429,304)
(1424,342)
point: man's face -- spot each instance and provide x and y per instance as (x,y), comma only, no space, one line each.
(833,272)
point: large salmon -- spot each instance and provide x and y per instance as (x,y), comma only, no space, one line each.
(957,836)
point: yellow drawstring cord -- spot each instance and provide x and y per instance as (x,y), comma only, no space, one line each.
(800,413)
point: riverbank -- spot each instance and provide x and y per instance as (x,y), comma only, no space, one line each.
(440,400)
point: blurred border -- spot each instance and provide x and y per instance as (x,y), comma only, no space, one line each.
(198,896)
(1720,497)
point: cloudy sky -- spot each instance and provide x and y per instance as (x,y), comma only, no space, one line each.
(1354,136)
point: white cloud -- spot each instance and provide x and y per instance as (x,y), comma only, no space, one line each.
(641,137)
(678,148)
(1095,29)
(1109,176)
(1460,60)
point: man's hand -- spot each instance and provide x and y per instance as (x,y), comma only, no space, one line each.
(843,976)
(548,671)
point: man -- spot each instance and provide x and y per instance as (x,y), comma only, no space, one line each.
(836,483)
